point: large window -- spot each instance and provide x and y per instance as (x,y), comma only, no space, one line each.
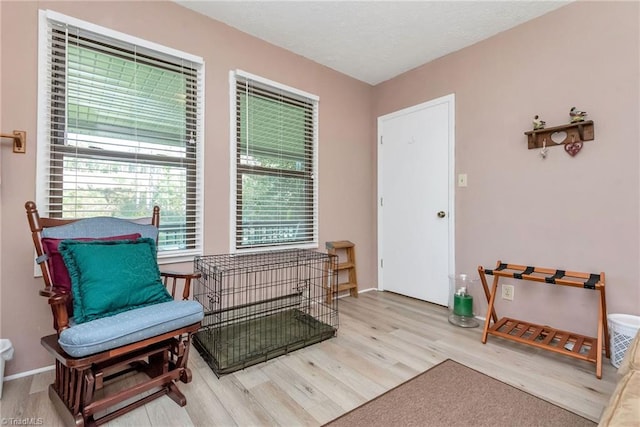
(274,149)
(120,126)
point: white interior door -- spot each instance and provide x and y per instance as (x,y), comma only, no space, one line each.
(415,209)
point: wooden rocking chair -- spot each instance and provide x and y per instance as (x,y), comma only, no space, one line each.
(124,319)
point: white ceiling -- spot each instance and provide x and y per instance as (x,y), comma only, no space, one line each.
(373,41)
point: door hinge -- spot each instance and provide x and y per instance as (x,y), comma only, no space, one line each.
(381,203)
(381,263)
(381,140)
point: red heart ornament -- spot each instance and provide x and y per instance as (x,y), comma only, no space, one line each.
(573,148)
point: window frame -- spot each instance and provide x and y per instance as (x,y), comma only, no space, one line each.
(45,156)
(234,76)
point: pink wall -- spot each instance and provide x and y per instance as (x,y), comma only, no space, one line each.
(345,140)
(578,213)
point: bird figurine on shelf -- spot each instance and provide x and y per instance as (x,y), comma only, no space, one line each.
(538,123)
(577,115)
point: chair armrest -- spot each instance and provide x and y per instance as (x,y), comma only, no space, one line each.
(174,275)
(58,302)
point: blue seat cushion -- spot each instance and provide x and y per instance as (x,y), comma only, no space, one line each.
(128,327)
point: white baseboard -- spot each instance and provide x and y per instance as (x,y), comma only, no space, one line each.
(359,292)
(28,373)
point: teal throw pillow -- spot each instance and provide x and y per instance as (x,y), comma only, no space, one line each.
(109,277)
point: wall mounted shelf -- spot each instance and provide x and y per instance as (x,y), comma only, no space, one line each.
(575,132)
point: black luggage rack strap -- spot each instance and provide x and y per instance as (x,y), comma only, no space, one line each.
(547,275)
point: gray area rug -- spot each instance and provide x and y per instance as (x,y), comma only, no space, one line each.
(451,394)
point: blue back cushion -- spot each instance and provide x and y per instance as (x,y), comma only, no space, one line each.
(100,227)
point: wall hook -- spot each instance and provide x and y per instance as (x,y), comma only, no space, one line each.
(19,140)
(545,150)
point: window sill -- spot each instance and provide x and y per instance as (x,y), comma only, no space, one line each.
(237,251)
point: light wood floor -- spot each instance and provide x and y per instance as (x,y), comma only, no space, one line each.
(383,340)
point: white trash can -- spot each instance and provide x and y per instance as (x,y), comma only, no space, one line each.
(6,353)
(622,330)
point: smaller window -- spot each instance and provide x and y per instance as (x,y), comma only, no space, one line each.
(274,149)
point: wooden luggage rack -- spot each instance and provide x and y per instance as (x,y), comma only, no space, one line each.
(563,342)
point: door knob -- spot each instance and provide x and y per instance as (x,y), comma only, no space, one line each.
(441,214)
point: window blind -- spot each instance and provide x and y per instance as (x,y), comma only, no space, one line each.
(276,167)
(122,133)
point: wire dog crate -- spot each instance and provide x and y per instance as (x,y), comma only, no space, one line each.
(260,306)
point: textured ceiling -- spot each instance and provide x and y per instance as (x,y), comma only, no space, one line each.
(372,41)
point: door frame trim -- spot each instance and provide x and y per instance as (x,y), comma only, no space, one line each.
(450,101)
